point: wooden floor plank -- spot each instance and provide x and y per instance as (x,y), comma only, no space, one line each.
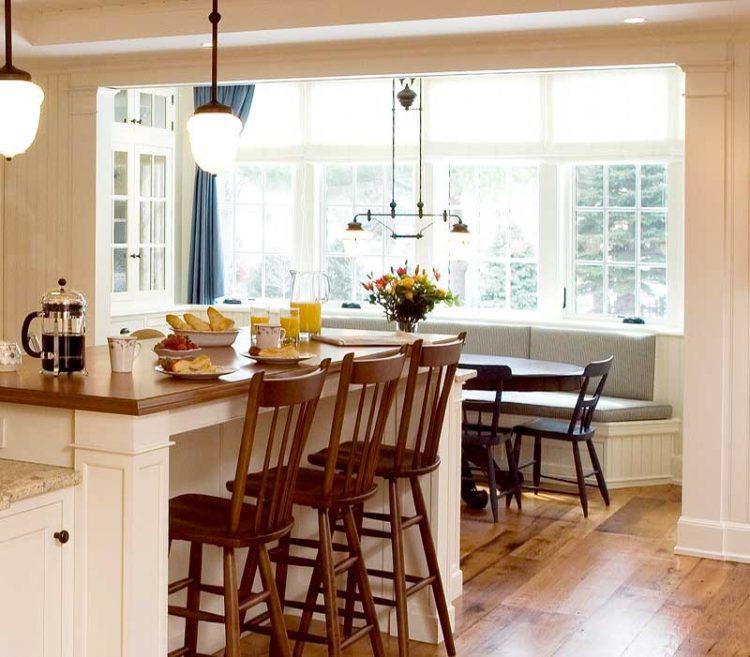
(546,582)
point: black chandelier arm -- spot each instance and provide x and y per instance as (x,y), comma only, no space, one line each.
(374,216)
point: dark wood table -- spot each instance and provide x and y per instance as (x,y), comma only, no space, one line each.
(529,375)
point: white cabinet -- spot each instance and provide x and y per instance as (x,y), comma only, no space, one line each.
(140,193)
(36,577)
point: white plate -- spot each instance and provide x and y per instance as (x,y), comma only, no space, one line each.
(220,370)
(176,353)
(269,360)
(211,338)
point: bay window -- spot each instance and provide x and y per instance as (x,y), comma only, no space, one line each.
(570,183)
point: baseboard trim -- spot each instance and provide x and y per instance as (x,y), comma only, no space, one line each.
(722,540)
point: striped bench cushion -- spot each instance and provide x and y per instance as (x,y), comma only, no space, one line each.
(560,405)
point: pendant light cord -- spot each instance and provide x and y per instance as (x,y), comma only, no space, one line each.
(215,17)
(8,37)
(393,149)
(420,204)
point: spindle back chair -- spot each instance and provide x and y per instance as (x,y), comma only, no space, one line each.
(231,523)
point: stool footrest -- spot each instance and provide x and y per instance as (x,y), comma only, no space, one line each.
(387,574)
(313,544)
(376,533)
(406,521)
(355,636)
(320,609)
(180,584)
(195,614)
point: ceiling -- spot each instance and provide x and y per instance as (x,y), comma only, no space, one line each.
(53,28)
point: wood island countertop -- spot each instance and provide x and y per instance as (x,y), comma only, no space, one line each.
(146,391)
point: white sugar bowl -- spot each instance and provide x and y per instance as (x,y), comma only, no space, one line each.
(10,356)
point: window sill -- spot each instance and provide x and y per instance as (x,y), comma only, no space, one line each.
(373,312)
(522,320)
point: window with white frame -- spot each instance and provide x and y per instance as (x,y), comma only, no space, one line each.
(570,182)
(256,206)
(500,202)
(620,226)
(348,189)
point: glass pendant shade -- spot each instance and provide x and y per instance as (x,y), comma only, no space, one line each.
(355,237)
(214,139)
(20,105)
(459,242)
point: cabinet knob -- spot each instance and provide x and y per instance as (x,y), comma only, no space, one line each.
(62,537)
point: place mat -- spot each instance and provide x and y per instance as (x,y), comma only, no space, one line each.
(345,338)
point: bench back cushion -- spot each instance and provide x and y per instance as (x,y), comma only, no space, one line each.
(359,323)
(480,338)
(487,339)
(632,373)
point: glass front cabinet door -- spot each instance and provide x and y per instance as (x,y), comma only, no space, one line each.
(142,195)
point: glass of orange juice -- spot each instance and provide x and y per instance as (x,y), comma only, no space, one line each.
(289,320)
(258,316)
(310,317)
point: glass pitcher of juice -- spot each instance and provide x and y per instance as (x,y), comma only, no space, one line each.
(309,293)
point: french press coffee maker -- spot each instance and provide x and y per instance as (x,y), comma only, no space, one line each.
(63,316)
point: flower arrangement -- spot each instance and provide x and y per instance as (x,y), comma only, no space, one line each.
(408,296)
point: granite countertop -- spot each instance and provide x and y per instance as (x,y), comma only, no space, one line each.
(21,479)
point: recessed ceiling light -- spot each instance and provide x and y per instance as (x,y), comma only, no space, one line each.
(635,20)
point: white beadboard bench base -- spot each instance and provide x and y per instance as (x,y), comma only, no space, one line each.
(631,453)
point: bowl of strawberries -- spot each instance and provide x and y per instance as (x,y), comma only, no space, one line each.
(176,346)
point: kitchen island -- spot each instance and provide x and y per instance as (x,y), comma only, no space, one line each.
(138,439)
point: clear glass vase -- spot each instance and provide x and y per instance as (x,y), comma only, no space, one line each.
(407,326)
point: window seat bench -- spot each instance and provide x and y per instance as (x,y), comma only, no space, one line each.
(560,405)
(636,434)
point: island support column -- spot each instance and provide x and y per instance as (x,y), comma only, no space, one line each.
(122,515)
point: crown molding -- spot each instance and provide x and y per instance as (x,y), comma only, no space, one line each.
(440,54)
(156,18)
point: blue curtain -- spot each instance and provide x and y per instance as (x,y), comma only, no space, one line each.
(206,276)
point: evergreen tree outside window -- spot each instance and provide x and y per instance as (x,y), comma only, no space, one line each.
(620,229)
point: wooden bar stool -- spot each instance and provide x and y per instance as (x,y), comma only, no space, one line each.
(415,454)
(333,493)
(481,407)
(233,524)
(576,431)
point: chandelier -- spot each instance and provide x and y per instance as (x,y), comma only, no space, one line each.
(355,229)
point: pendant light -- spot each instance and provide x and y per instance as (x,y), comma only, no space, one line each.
(356,232)
(214,129)
(20,101)
(355,238)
